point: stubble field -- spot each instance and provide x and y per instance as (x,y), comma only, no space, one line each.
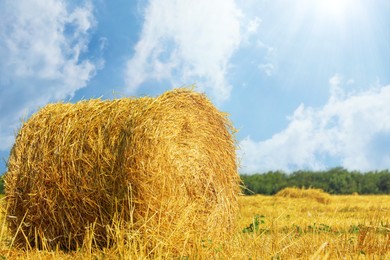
(269,227)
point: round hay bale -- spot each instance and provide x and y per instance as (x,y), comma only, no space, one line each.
(311,193)
(164,167)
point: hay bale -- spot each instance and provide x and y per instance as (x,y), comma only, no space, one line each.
(316,194)
(165,167)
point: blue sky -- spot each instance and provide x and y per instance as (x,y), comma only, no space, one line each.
(306,82)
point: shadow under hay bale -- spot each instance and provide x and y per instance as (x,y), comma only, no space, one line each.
(163,167)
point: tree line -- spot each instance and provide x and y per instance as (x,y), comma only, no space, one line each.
(334,181)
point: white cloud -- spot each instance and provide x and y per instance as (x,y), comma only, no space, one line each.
(41,47)
(352,129)
(336,90)
(267,68)
(270,66)
(254,25)
(185,42)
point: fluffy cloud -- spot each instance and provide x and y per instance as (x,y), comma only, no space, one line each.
(253,25)
(185,42)
(40,49)
(352,129)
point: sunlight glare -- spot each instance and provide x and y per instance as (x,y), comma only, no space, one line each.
(334,9)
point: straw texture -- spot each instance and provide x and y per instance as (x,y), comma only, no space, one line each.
(164,168)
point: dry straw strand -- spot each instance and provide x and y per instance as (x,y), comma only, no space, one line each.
(164,168)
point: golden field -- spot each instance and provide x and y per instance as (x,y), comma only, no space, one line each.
(269,227)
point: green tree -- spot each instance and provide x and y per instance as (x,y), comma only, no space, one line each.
(336,181)
(369,183)
(2,184)
(384,183)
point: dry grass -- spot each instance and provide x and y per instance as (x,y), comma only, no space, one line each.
(157,174)
(351,227)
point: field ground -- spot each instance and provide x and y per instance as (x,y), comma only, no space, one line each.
(270,227)
(348,227)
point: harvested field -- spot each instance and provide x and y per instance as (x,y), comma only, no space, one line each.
(350,227)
